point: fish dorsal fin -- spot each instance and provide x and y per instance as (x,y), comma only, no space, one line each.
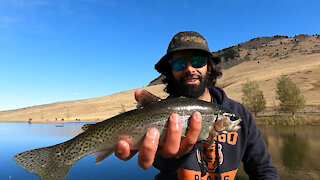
(146,97)
(86,127)
(101,155)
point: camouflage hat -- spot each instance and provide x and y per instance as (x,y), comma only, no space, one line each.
(183,41)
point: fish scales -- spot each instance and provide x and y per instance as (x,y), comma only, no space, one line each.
(54,162)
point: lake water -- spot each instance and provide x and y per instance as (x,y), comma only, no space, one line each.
(295,152)
(19,137)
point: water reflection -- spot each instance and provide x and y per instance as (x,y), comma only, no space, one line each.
(294,152)
(19,137)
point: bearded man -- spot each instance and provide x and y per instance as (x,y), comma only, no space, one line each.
(191,71)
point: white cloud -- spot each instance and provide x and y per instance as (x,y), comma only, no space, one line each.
(76,94)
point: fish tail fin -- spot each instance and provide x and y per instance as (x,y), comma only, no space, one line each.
(45,162)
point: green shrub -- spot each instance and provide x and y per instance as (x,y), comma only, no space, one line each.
(229,54)
(290,96)
(252,97)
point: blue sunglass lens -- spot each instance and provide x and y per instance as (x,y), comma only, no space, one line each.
(198,61)
(178,64)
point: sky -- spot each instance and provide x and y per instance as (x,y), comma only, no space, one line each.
(61,50)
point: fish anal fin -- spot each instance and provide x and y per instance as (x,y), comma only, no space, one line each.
(101,155)
(145,97)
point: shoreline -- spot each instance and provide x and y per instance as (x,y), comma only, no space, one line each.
(279,119)
(48,122)
(286,119)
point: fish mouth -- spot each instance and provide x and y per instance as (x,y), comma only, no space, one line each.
(224,123)
(227,122)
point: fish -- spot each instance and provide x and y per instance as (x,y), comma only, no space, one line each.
(54,162)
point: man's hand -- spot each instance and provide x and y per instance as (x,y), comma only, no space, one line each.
(173,145)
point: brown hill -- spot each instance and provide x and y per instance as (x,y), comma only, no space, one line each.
(94,109)
(263,59)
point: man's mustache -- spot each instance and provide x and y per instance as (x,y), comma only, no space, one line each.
(192,75)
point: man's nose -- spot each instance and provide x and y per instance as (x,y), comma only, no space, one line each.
(189,67)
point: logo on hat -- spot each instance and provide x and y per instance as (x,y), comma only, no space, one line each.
(193,38)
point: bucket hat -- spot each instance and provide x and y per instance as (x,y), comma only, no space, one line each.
(183,41)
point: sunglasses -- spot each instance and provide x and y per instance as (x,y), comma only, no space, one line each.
(179,64)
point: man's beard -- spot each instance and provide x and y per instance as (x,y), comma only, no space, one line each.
(190,91)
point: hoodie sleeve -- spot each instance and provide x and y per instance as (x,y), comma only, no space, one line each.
(257,161)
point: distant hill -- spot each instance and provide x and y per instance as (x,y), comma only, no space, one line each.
(263,59)
(266,58)
(262,48)
(94,109)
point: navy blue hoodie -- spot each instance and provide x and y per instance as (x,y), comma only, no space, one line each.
(202,162)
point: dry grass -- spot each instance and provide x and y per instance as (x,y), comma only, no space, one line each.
(286,119)
(266,72)
(301,65)
(95,109)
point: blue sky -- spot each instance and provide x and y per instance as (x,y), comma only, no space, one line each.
(59,50)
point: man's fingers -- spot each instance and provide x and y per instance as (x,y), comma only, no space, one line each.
(122,150)
(192,134)
(138,93)
(144,96)
(171,145)
(148,148)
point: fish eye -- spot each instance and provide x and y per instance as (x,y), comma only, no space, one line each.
(233,117)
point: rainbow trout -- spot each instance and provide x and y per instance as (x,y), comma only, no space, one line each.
(54,162)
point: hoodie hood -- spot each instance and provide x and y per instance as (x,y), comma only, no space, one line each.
(219,96)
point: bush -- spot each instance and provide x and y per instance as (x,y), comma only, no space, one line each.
(252,97)
(290,96)
(229,54)
(123,109)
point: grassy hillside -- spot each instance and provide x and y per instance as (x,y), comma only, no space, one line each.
(94,109)
(265,59)
(302,69)
(262,59)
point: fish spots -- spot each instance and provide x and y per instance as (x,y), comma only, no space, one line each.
(128,138)
(54,162)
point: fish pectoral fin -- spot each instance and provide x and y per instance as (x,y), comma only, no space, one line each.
(101,155)
(145,98)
